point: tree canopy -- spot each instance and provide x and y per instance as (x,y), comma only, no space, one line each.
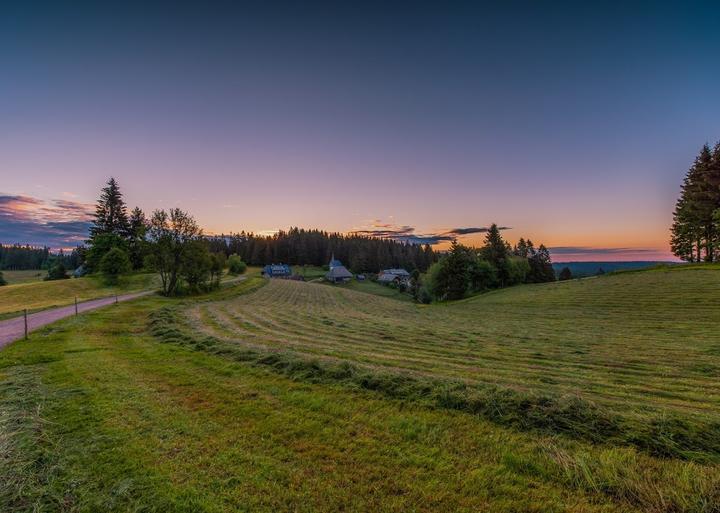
(467,270)
(299,246)
(695,232)
(112,228)
(110,212)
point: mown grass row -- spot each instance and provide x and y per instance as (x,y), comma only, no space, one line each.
(665,436)
(646,343)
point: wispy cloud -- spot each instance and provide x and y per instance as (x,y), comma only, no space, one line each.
(56,223)
(405,233)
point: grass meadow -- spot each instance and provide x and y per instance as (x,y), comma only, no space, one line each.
(16,277)
(287,396)
(40,295)
(644,341)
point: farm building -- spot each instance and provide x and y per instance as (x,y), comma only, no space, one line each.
(393,276)
(337,272)
(277,271)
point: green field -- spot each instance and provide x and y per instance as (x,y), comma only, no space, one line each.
(582,396)
(16,277)
(646,340)
(371,287)
(39,295)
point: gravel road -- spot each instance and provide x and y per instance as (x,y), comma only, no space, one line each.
(14,329)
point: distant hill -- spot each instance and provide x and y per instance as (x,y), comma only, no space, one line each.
(582,269)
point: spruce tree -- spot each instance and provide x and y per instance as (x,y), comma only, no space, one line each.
(693,228)
(110,213)
(712,178)
(705,200)
(565,274)
(521,248)
(541,269)
(496,252)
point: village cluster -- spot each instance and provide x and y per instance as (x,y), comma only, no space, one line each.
(338,273)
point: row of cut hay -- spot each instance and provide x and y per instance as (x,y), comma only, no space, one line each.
(665,436)
(428,340)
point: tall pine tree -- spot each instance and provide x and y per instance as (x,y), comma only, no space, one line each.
(110,213)
(693,230)
(496,252)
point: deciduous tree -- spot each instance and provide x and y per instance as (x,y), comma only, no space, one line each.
(170,232)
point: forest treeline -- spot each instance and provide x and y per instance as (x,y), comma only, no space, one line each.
(17,257)
(696,220)
(299,246)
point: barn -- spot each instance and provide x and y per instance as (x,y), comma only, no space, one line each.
(337,272)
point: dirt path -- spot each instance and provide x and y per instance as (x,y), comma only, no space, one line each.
(14,329)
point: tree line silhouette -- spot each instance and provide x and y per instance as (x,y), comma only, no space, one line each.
(299,246)
(17,257)
(696,220)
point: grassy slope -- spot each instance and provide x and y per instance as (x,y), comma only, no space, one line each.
(94,417)
(16,277)
(371,287)
(97,415)
(47,294)
(637,343)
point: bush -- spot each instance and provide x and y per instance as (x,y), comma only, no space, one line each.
(2,279)
(101,245)
(114,263)
(196,265)
(424,297)
(236,266)
(517,268)
(483,275)
(217,264)
(57,271)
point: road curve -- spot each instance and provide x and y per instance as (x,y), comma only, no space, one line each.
(14,329)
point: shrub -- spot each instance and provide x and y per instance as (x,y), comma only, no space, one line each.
(57,271)
(217,264)
(101,245)
(2,279)
(195,266)
(517,268)
(114,263)
(483,275)
(235,265)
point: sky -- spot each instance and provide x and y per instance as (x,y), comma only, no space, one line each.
(571,124)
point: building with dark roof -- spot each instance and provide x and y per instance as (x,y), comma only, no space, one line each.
(393,276)
(337,272)
(277,271)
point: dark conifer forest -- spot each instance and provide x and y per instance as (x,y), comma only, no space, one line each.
(696,220)
(299,246)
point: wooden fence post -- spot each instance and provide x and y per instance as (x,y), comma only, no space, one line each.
(116,299)
(76,310)
(26,331)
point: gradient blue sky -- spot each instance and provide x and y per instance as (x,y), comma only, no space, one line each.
(571,123)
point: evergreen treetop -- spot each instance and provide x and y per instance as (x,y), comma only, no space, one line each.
(110,212)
